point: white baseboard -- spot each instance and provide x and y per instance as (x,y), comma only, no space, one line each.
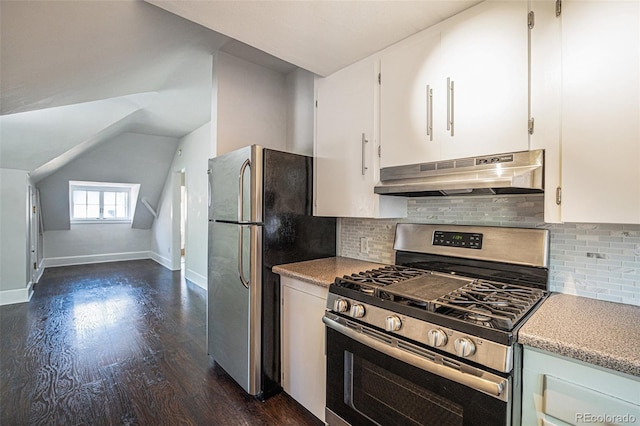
(20,295)
(163,261)
(96,258)
(196,278)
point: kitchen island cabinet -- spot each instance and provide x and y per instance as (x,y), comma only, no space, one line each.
(346,161)
(458,89)
(586,105)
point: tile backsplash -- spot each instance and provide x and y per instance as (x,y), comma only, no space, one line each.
(600,261)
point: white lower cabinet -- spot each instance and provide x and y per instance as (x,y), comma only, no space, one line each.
(303,340)
(560,391)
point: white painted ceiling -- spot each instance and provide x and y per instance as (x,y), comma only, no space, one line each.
(76,73)
(317,35)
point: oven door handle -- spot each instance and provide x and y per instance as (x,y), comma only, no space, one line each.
(477,379)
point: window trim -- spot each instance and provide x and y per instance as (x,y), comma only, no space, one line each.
(130,188)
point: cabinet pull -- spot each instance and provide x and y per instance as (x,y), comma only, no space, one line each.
(430,112)
(364,167)
(450,105)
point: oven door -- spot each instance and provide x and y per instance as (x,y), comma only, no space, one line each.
(373,378)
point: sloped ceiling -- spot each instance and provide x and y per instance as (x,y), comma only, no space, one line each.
(76,73)
(319,36)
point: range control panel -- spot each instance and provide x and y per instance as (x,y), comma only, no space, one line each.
(457,239)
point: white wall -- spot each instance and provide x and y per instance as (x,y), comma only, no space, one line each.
(161,230)
(126,158)
(191,157)
(94,243)
(15,284)
(251,105)
(300,111)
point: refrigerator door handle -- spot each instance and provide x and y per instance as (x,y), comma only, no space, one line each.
(247,163)
(209,171)
(243,280)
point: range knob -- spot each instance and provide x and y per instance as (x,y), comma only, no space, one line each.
(464,347)
(436,337)
(357,311)
(392,323)
(340,305)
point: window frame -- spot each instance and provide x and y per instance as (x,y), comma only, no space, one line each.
(101,187)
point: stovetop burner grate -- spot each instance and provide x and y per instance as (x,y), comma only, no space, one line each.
(495,305)
(386,275)
(371,281)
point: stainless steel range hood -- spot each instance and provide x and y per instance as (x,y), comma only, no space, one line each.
(508,173)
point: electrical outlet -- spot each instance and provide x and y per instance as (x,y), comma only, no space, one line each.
(364,245)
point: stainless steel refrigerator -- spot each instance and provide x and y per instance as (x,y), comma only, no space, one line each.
(260,215)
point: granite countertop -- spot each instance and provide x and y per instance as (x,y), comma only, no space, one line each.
(602,333)
(323,272)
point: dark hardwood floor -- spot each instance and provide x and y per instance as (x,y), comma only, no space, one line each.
(120,343)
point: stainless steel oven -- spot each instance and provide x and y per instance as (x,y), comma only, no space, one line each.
(370,380)
(432,339)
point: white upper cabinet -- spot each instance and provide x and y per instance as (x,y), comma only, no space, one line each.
(545,98)
(412,98)
(485,59)
(346,145)
(600,111)
(458,89)
(585,98)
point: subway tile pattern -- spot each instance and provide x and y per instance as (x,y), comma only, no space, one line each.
(600,261)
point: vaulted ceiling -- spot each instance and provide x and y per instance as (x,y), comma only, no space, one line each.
(76,73)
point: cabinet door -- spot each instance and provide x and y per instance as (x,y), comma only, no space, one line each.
(412,97)
(545,99)
(600,111)
(346,148)
(485,55)
(561,391)
(303,352)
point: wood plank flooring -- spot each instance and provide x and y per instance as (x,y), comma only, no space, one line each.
(120,343)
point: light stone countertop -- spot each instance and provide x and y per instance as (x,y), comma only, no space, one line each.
(323,272)
(602,333)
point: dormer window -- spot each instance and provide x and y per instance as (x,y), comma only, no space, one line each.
(102,202)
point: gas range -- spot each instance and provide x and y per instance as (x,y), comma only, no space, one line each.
(459,290)
(490,304)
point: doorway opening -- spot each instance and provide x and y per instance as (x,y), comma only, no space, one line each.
(179,220)
(183,218)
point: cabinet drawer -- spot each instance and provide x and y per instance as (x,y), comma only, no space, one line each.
(575,404)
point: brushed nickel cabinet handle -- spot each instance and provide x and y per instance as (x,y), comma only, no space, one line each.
(364,142)
(430,112)
(450,105)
